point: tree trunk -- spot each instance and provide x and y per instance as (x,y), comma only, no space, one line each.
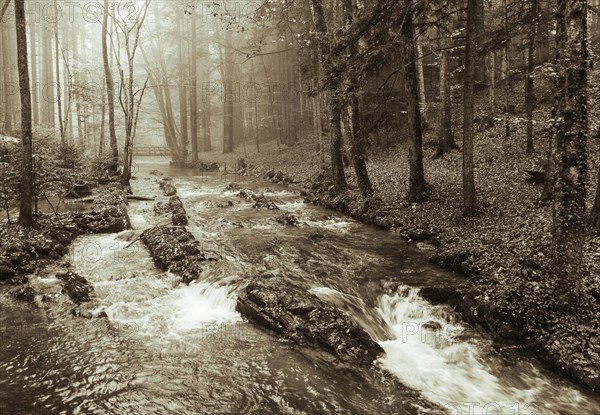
(492,77)
(110,92)
(58,90)
(416,184)
(8,86)
(468,133)
(570,152)
(35,111)
(421,75)
(182,92)
(445,136)
(194,90)
(48,90)
(25,210)
(529,91)
(335,106)
(337,160)
(228,99)
(358,147)
(102,123)
(595,214)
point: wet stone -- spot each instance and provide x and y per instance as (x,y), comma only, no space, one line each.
(167,187)
(174,249)
(179,216)
(24,294)
(77,287)
(300,316)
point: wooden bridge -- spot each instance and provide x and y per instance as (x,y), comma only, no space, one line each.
(149,151)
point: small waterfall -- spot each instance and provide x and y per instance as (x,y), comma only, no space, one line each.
(133,293)
(455,369)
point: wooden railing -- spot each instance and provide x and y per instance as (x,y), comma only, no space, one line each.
(149,151)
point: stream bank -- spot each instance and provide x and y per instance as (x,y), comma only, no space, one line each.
(505,294)
(26,251)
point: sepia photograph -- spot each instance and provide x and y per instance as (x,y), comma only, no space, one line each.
(300,207)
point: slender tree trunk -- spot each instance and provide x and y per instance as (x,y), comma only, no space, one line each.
(25,210)
(8,86)
(416,185)
(229,98)
(194,89)
(102,122)
(445,135)
(570,152)
(182,91)
(58,90)
(529,91)
(595,214)
(110,92)
(421,75)
(505,74)
(49,98)
(492,77)
(33,28)
(468,133)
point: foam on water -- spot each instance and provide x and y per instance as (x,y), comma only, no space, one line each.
(186,308)
(431,354)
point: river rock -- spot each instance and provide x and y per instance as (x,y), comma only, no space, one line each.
(77,287)
(300,316)
(179,216)
(24,294)
(287,219)
(108,215)
(174,249)
(167,187)
(6,272)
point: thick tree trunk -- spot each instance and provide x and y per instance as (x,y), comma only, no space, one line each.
(445,136)
(416,185)
(358,147)
(570,152)
(337,160)
(110,92)
(335,128)
(529,91)
(27,190)
(468,132)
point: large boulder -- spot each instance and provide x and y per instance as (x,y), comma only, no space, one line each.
(300,316)
(174,249)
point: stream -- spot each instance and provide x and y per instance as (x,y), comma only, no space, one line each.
(167,348)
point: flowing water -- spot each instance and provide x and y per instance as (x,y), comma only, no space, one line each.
(167,348)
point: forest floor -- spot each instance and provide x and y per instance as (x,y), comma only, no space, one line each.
(505,248)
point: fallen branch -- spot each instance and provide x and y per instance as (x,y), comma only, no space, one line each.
(142,198)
